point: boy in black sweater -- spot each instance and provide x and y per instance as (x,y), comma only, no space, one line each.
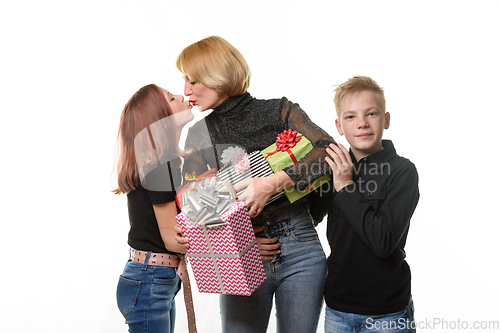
(376,192)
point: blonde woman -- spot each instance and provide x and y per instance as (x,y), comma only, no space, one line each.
(217,77)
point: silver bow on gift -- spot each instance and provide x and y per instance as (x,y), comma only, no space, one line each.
(205,202)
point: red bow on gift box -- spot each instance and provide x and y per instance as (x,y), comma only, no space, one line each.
(286,140)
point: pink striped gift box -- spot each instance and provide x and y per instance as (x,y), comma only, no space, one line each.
(225,259)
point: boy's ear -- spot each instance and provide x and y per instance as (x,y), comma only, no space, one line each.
(339,126)
(387,120)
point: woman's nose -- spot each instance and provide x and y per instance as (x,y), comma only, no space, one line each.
(187,89)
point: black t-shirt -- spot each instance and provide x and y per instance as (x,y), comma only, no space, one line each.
(157,189)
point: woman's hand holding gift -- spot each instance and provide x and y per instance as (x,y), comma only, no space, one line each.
(260,189)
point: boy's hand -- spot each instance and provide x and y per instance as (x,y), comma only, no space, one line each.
(341,165)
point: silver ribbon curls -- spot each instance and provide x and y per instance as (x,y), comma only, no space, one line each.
(203,203)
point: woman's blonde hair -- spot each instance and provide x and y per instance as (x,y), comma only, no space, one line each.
(217,64)
(356,84)
(145,135)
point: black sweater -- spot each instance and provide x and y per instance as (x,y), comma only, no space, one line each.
(368,224)
(253,124)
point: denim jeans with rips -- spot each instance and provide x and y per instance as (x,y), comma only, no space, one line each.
(145,297)
(295,278)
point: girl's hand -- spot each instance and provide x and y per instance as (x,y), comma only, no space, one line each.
(267,246)
(182,241)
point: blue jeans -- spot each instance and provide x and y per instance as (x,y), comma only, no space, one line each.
(295,277)
(398,322)
(145,297)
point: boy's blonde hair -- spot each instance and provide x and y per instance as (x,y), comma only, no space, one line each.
(356,84)
(217,64)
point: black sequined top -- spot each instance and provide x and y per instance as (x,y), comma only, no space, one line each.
(253,124)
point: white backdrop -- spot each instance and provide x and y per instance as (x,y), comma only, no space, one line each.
(68,67)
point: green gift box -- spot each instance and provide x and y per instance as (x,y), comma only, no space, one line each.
(290,147)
